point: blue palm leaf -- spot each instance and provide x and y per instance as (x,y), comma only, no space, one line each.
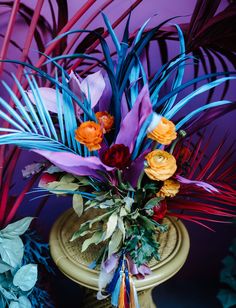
(28,105)
(33,141)
(135,71)
(200,90)
(39,106)
(189,84)
(20,107)
(69,116)
(53,81)
(198,110)
(112,33)
(163,76)
(180,72)
(32,126)
(14,114)
(60,112)
(9,120)
(45,112)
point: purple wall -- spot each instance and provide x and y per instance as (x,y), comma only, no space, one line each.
(207,248)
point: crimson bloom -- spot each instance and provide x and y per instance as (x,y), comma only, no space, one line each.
(117,156)
(159,211)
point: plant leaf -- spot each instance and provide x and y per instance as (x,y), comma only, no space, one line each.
(115,242)
(78,204)
(95,239)
(11,251)
(152,202)
(4,267)
(16,228)
(111,225)
(26,277)
(60,187)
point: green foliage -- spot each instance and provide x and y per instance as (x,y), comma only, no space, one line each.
(16,280)
(121,223)
(77,202)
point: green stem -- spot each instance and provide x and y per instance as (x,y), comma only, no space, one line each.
(140,180)
(154,145)
(120,181)
(173,146)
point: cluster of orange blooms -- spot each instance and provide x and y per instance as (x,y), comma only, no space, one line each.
(91,133)
(160,165)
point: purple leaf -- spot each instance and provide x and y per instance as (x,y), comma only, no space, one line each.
(92,87)
(144,270)
(105,100)
(133,172)
(110,264)
(132,266)
(32,169)
(75,85)
(49,98)
(124,107)
(133,121)
(76,164)
(201,184)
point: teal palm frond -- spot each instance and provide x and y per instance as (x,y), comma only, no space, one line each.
(31,126)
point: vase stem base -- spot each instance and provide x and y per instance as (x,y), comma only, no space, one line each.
(90,300)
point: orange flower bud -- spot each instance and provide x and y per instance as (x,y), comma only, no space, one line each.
(105,120)
(160,165)
(90,134)
(169,189)
(164,132)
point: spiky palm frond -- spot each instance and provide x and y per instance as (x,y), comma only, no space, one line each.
(197,204)
(129,73)
(125,78)
(209,36)
(32,125)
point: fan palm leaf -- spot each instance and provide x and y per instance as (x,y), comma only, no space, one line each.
(33,126)
(195,204)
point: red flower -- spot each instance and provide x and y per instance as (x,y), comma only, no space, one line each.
(159,211)
(117,156)
(47,178)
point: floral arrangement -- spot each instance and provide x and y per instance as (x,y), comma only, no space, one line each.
(112,142)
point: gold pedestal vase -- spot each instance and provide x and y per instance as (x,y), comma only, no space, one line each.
(174,248)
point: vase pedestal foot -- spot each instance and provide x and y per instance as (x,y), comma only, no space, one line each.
(90,300)
(145,299)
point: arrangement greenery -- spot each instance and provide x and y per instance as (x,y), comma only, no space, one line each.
(125,151)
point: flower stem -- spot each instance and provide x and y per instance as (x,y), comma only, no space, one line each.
(154,145)
(120,181)
(140,180)
(173,146)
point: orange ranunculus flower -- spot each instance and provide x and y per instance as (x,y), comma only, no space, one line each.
(164,132)
(90,134)
(105,120)
(169,189)
(160,165)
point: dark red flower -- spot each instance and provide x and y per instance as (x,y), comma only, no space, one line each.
(117,156)
(47,178)
(159,211)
